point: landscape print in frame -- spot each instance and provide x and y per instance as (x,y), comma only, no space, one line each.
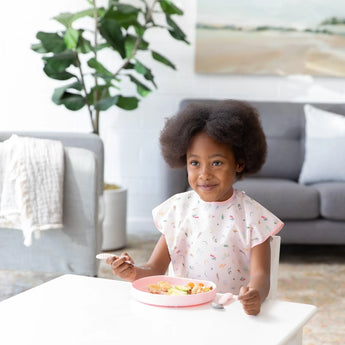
(271,37)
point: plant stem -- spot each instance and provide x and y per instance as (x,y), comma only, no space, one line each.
(85,91)
(96,94)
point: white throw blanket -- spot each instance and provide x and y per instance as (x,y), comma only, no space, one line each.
(31,185)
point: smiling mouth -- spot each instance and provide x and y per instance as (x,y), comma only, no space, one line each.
(207,187)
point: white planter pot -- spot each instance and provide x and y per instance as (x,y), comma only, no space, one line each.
(115,218)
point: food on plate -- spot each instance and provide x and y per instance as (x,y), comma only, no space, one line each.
(164,288)
(160,288)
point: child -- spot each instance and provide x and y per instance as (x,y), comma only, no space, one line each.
(213,231)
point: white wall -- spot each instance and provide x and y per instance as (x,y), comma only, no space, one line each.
(131,138)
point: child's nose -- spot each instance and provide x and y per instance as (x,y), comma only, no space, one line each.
(205,173)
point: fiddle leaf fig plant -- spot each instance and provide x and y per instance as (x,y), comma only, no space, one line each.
(75,53)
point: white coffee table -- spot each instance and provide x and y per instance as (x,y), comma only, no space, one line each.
(79,310)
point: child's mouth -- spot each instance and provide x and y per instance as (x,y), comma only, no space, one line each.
(207,187)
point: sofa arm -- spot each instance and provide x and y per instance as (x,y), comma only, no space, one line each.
(71,249)
(89,141)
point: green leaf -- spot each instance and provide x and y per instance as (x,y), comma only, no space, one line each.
(142,89)
(71,38)
(139,29)
(127,103)
(67,18)
(101,46)
(84,46)
(59,92)
(38,48)
(73,101)
(59,62)
(127,9)
(169,8)
(146,72)
(64,75)
(106,103)
(130,43)
(175,30)
(100,69)
(51,42)
(124,15)
(162,59)
(112,33)
(56,65)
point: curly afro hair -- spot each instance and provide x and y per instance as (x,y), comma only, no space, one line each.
(232,122)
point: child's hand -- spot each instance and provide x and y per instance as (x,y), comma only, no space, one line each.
(250,299)
(122,266)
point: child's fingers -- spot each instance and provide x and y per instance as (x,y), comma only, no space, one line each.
(243,291)
(118,262)
(247,293)
(128,258)
(124,257)
(252,311)
(250,300)
(252,307)
(251,303)
(110,260)
(249,296)
(124,267)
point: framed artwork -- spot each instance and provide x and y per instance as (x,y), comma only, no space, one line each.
(271,37)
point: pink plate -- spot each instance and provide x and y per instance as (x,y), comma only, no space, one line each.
(140,292)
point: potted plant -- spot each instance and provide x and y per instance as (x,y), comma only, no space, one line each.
(75,54)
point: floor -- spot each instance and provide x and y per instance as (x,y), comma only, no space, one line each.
(307,274)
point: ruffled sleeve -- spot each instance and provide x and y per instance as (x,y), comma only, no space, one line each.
(261,223)
(161,215)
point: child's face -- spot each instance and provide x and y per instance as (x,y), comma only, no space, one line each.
(211,168)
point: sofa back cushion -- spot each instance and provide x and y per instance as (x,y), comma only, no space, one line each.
(283,124)
(284,127)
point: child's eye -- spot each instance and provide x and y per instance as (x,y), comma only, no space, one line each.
(194,163)
(217,163)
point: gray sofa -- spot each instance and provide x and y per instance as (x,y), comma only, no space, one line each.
(71,249)
(314,213)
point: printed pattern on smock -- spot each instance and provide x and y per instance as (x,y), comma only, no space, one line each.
(213,240)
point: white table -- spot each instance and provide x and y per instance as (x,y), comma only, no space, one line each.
(79,310)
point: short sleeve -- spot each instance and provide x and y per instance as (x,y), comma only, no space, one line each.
(161,215)
(262,224)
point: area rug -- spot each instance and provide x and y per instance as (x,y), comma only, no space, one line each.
(307,274)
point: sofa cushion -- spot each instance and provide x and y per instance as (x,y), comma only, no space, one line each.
(281,152)
(283,124)
(285,198)
(332,199)
(324,146)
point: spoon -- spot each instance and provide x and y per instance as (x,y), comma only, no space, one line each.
(224,298)
(105,256)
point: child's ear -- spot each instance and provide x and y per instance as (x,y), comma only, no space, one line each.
(240,166)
